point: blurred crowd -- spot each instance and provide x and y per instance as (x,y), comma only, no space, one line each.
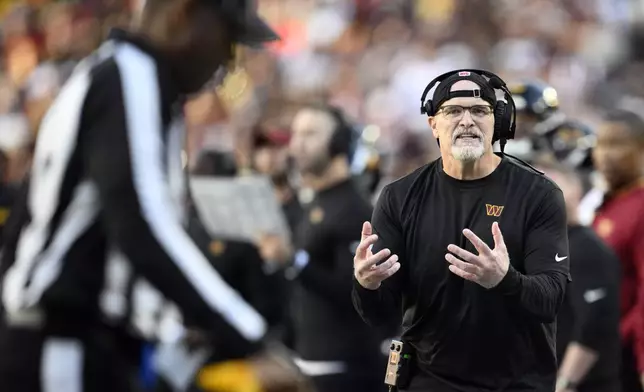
(372,58)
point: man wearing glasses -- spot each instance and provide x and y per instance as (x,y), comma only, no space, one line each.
(473,249)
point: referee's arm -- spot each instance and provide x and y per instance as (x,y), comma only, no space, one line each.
(124,156)
(539,293)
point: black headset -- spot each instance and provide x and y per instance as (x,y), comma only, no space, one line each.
(342,138)
(504,119)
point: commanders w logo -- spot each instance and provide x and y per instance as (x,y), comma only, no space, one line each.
(493,210)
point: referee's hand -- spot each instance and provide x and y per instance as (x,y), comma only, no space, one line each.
(369,269)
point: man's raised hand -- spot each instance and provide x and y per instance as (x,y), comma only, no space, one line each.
(489,267)
(369,269)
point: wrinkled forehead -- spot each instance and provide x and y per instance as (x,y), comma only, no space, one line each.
(464,85)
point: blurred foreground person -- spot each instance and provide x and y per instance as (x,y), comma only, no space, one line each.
(239,263)
(336,348)
(619,157)
(588,341)
(107,185)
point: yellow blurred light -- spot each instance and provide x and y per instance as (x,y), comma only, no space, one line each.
(517,89)
(230,376)
(550,97)
(371,133)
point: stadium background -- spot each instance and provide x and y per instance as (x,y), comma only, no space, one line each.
(371,57)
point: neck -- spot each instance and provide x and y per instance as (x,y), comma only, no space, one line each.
(625,187)
(473,170)
(336,172)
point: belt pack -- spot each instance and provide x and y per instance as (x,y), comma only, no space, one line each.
(399,365)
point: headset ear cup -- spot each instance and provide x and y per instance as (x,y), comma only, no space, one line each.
(342,137)
(506,122)
(333,144)
(500,129)
(429,108)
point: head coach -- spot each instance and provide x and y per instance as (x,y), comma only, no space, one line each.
(473,249)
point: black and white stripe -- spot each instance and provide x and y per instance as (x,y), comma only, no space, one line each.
(107,188)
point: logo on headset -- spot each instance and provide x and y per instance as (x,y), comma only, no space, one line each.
(464,73)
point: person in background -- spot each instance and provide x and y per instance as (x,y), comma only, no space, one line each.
(544,129)
(619,220)
(47,79)
(335,347)
(588,341)
(413,153)
(270,158)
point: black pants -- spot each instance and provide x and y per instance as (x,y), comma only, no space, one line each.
(36,361)
(630,376)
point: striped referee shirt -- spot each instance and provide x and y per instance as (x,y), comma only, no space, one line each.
(107,191)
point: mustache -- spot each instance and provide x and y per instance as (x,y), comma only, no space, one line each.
(467,132)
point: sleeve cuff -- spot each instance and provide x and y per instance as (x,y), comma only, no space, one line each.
(362,292)
(511,282)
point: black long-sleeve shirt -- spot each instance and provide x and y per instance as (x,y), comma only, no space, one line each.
(590,313)
(466,337)
(107,179)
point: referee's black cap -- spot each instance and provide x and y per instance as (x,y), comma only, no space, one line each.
(248,27)
(443,90)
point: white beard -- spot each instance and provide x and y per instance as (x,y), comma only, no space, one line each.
(468,153)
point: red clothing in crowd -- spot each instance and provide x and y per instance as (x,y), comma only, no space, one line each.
(620,222)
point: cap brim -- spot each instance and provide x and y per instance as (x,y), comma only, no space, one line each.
(255,32)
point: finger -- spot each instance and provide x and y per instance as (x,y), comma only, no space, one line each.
(464,254)
(363,246)
(478,243)
(385,265)
(366,264)
(384,270)
(463,274)
(462,265)
(498,236)
(366,230)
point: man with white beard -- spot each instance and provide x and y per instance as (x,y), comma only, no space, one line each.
(479,306)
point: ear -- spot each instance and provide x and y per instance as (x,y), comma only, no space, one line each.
(432,124)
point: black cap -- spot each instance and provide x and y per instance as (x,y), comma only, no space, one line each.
(443,93)
(250,29)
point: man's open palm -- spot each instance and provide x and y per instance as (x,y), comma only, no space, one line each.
(487,268)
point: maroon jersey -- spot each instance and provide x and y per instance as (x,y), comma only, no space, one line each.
(620,222)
